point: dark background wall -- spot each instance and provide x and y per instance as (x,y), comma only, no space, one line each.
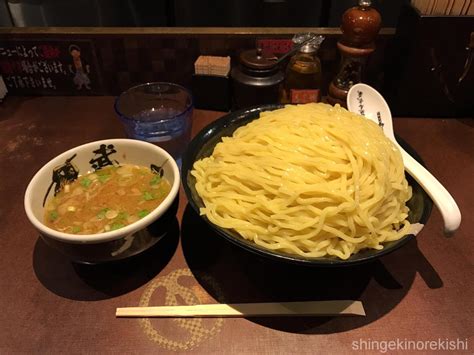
(207,13)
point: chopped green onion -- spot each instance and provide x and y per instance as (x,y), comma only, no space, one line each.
(147,196)
(102,212)
(53,215)
(115,226)
(122,215)
(106,170)
(76,229)
(86,182)
(155,180)
(143,213)
(103,178)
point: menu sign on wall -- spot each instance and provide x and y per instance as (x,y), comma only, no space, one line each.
(49,67)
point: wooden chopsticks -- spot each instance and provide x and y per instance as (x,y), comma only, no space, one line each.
(306,308)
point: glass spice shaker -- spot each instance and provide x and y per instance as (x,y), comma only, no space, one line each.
(303,74)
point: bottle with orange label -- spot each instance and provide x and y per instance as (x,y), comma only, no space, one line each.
(303,74)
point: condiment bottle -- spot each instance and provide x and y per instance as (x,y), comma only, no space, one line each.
(303,74)
(256,80)
(360,26)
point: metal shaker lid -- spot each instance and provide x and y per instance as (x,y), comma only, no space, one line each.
(312,44)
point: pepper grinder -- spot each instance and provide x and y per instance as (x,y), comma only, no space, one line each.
(360,25)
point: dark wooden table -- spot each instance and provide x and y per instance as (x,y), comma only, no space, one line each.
(422,292)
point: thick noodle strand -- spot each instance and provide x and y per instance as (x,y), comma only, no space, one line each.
(313,180)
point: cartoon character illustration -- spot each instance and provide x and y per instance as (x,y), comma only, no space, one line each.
(80,71)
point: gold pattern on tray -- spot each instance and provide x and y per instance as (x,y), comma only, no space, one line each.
(193,330)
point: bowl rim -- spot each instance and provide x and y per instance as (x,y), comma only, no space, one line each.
(111,235)
(239,117)
(127,118)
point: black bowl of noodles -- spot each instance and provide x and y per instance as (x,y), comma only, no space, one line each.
(203,145)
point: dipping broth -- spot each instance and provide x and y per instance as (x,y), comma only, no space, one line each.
(106,200)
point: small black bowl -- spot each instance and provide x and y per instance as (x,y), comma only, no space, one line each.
(203,145)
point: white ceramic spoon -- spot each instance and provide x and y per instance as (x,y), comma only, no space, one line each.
(367,101)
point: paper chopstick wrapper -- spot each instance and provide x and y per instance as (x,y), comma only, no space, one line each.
(308,308)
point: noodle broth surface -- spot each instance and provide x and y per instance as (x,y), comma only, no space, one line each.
(105,200)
